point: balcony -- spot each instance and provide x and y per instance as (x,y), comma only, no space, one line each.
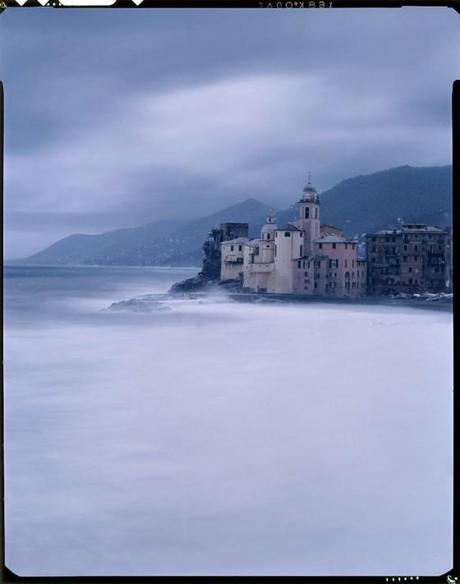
(233,260)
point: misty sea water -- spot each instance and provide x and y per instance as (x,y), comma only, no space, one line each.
(184,436)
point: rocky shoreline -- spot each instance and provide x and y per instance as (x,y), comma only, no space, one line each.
(200,283)
(445,305)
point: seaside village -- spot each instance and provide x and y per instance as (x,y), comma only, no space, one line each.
(305,257)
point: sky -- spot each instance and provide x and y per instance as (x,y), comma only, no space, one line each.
(117,118)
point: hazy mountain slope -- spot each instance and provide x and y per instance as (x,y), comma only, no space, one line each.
(357,205)
(375,201)
(93,249)
(158,243)
(183,247)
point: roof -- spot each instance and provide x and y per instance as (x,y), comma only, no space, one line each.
(327,226)
(333,239)
(238,240)
(409,228)
(419,227)
(288,227)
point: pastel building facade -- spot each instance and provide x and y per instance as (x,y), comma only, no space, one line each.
(301,257)
(412,258)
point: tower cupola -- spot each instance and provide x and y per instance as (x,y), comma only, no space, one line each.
(268,230)
(309,194)
(309,220)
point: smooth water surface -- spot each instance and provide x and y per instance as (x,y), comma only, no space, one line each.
(206,436)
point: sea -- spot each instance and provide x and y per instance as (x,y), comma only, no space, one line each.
(150,434)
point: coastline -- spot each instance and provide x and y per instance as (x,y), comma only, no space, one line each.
(445,305)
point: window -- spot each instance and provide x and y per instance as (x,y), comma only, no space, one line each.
(320,246)
(268,235)
(410,270)
(316,284)
(287,234)
(345,263)
(240,248)
(231,248)
(394,250)
(416,258)
(416,247)
(352,263)
(387,239)
(307,212)
(334,245)
(301,251)
(373,248)
(316,213)
(346,246)
(299,264)
(404,258)
(275,250)
(405,248)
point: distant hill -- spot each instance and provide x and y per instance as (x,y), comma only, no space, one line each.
(163,243)
(375,201)
(357,205)
(99,249)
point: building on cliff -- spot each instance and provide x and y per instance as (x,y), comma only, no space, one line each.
(412,258)
(212,247)
(302,257)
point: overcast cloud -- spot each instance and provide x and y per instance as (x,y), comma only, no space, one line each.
(117,118)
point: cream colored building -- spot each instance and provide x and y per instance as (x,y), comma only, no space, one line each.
(301,257)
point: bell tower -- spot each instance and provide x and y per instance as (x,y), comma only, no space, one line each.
(309,220)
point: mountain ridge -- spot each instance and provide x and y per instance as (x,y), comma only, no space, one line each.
(359,204)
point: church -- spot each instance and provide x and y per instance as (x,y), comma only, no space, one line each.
(302,257)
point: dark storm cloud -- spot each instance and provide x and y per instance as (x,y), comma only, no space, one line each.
(116,118)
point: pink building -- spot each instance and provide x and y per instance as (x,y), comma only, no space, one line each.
(302,257)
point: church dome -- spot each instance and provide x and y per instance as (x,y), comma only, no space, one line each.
(269,228)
